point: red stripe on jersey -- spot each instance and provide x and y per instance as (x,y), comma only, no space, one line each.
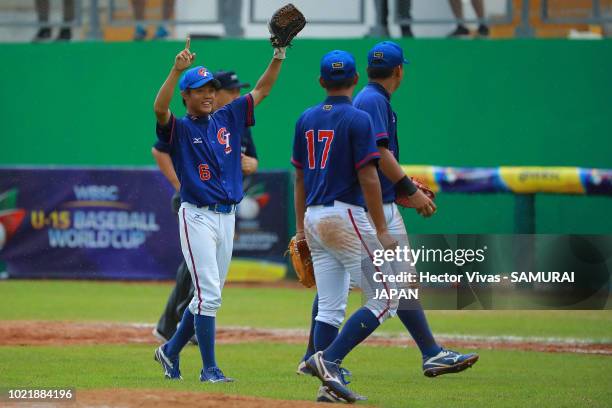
(388,306)
(368,158)
(296,163)
(195,272)
(250,121)
(172,129)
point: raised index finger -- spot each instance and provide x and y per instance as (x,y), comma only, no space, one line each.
(188,43)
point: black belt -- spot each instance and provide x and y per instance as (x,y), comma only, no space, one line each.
(221,208)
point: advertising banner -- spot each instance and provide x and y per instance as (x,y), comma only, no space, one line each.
(514,179)
(117,223)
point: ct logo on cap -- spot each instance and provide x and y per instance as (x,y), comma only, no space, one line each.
(379,54)
(203,72)
(337,65)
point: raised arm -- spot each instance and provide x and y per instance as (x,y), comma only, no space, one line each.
(284,25)
(162,101)
(267,80)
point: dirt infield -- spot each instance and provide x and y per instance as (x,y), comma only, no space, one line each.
(131,398)
(34,333)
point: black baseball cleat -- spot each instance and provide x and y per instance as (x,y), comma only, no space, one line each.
(331,377)
(303,369)
(326,395)
(447,362)
(43,34)
(460,32)
(169,365)
(483,31)
(65,34)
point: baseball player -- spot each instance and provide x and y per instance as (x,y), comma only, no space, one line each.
(205,151)
(335,155)
(385,73)
(183,291)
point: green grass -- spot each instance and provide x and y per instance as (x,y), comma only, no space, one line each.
(390,376)
(500,379)
(270,308)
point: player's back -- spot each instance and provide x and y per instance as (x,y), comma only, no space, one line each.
(375,100)
(333,140)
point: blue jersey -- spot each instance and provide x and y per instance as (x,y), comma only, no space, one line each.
(247,146)
(332,141)
(375,100)
(205,152)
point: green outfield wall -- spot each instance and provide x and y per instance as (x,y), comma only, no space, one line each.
(463,103)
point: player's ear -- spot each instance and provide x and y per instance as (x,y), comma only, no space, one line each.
(183,96)
(322,82)
(356,79)
(398,71)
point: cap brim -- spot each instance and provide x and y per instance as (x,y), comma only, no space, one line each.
(238,85)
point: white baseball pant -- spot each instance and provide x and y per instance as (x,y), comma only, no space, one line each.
(341,241)
(397,230)
(207,240)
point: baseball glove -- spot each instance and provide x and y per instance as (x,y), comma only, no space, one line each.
(302,261)
(403,199)
(286,23)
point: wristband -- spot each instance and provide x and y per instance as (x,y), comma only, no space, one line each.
(405,186)
(279,53)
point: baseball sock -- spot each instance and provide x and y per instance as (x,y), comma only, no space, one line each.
(181,336)
(413,318)
(358,327)
(315,310)
(324,335)
(205,332)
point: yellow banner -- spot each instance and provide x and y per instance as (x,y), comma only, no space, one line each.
(248,270)
(530,179)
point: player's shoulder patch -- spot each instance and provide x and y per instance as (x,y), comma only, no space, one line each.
(327,107)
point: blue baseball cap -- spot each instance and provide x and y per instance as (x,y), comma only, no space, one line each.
(229,80)
(197,77)
(337,65)
(386,54)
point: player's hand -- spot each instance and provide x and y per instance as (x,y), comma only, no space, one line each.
(423,204)
(185,58)
(299,235)
(386,240)
(249,164)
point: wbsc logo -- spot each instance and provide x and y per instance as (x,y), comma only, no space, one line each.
(96,193)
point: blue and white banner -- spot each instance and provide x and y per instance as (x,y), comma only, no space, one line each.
(117,223)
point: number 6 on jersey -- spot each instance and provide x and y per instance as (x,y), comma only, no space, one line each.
(323,135)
